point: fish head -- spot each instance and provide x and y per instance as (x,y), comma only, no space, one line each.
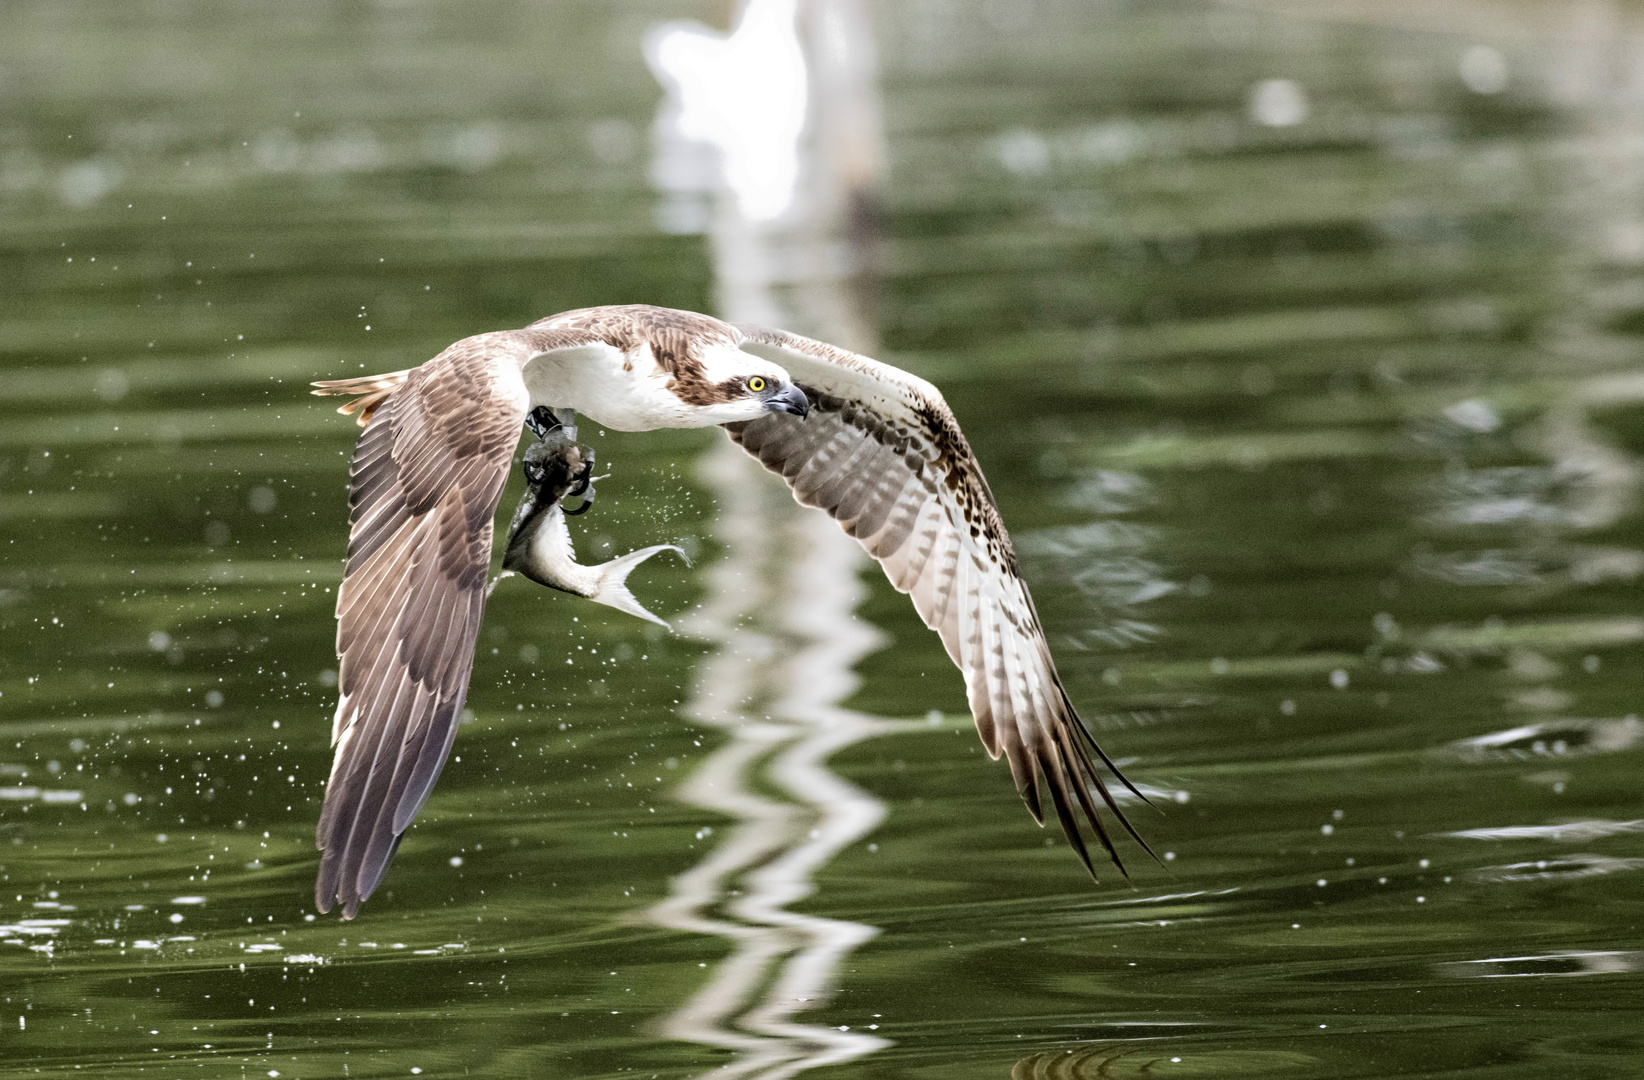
(554,463)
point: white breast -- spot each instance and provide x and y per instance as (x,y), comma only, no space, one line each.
(622,391)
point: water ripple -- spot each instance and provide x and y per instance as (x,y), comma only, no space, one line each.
(1569,868)
(1546,965)
(1567,832)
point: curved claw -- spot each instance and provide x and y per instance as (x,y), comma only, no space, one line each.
(585,479)
(583,488)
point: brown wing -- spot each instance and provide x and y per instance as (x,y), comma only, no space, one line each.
(882,453)
(427,475)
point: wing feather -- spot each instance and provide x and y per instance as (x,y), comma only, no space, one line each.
(882,453)
(427,476)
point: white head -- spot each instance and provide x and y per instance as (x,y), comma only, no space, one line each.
(715,384)
(649,368)
(727,384)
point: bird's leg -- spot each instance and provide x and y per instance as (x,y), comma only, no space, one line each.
(541,420)
(584,481)
(546,423)
(584,484)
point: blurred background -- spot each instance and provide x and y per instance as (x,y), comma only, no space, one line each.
(1299,341)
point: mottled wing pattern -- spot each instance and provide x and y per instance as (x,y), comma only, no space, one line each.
(882,453)
(427,475)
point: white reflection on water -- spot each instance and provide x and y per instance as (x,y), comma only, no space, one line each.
(780,602)
(744,94)
(46,795)
(1569,868)
(1565,737)
(24,928)
(1547,965)
(1566,832)
(784,962)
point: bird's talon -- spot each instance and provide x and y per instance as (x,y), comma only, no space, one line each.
(585,477)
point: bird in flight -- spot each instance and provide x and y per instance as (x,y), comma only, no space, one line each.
(873,446)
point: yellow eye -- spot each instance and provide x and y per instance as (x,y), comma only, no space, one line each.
(756,384)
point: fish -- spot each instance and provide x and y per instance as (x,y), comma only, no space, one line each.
(539,547)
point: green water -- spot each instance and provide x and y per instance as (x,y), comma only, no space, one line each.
(1321,443)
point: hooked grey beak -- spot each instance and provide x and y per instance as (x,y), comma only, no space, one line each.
(789,399)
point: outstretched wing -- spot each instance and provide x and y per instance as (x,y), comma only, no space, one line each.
(427,475)
(882,453)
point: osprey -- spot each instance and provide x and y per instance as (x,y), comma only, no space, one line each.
(875,447)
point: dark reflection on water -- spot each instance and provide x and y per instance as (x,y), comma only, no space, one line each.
(1301,356)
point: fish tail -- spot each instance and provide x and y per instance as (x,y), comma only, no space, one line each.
(613,588)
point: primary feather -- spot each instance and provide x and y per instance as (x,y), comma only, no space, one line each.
(882,453)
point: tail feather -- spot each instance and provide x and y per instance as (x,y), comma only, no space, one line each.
(368,392)
(613,588)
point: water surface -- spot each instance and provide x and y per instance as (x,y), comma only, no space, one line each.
(1301,356)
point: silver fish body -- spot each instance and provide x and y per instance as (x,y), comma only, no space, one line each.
(539,544)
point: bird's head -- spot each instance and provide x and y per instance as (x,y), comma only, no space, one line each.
(731,385)
(644,368)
